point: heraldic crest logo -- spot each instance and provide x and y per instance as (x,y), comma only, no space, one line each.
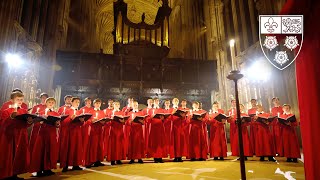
(281,38)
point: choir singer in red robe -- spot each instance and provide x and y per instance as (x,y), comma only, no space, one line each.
(146,127)
(157,143)
(231,120)
(276,127)
(136,139)
(253,127)
(86,125)
(95,152)
(71,149)
(218,142)
(198,142)
(290,145)
(264,145)
(168,126)
(37,126)
(45,153)
(247,149)
(178,133)
(14,156)
(116,146)
(67,100)
(10,103)
(107,126)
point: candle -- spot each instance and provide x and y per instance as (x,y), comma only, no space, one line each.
(210,111)
(37,110)
(232,52)
(132,116)
(74,112)
(64,110)
(147,110)
(232,111)
(96,114)
(105,111)
(46,112)
(153,112)
(82,111)
(270,110)
(257,112)
(278,114)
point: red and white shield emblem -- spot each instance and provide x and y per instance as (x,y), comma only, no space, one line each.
(281,38)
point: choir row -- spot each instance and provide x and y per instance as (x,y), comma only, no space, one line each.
(129,133)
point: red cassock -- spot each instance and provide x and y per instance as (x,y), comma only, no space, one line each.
(290,145)
(157,142)
(146,127)
(86,128)
(136,148)
(232,113)
(46,148)
(106,132)
(178,142)
(71,146)
(116,147)
(95,147)
(14,156)
(126,110)
(276,128)
(36,126)
(217,140)
(198,142)
(247,148)
(253,128)
(264,144)
(167,130)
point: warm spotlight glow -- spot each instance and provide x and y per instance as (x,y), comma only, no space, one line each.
(13,59)
(260,70)
(231,42)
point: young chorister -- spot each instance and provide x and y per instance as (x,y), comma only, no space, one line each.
(136,148)
(231,120)
(198,146)
(45,153)
(87,109)
(217,140)
(276,127)
(290,145)
(147,111)
(71,148)
(156,143)
(168,126)
(253,127)
(37,126)
(14,156)
(107,126)
(116,147)
(10,103)
(264,144)
(245,136)
(178,133)
(67,100)
(95,152)
(126,110)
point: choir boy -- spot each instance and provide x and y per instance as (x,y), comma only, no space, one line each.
(217,141)
(86,125)
(247,146)
(67,100)
(157,143)
(14,156)
(71,148)
(95,151)
(128,108)
(168,125)
(184,104)
(147,111)
(116,147)
(178,133)
(276,127)
(232,113)
(198,147)
(37,126)
(253,128)
(45,153)
(136,139)
(107,126)
(290,145)
(9,103)
(264,144)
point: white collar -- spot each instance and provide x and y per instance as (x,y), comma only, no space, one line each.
(97,109)
(135,110)
(175,107)
(74,108)
(156,107)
